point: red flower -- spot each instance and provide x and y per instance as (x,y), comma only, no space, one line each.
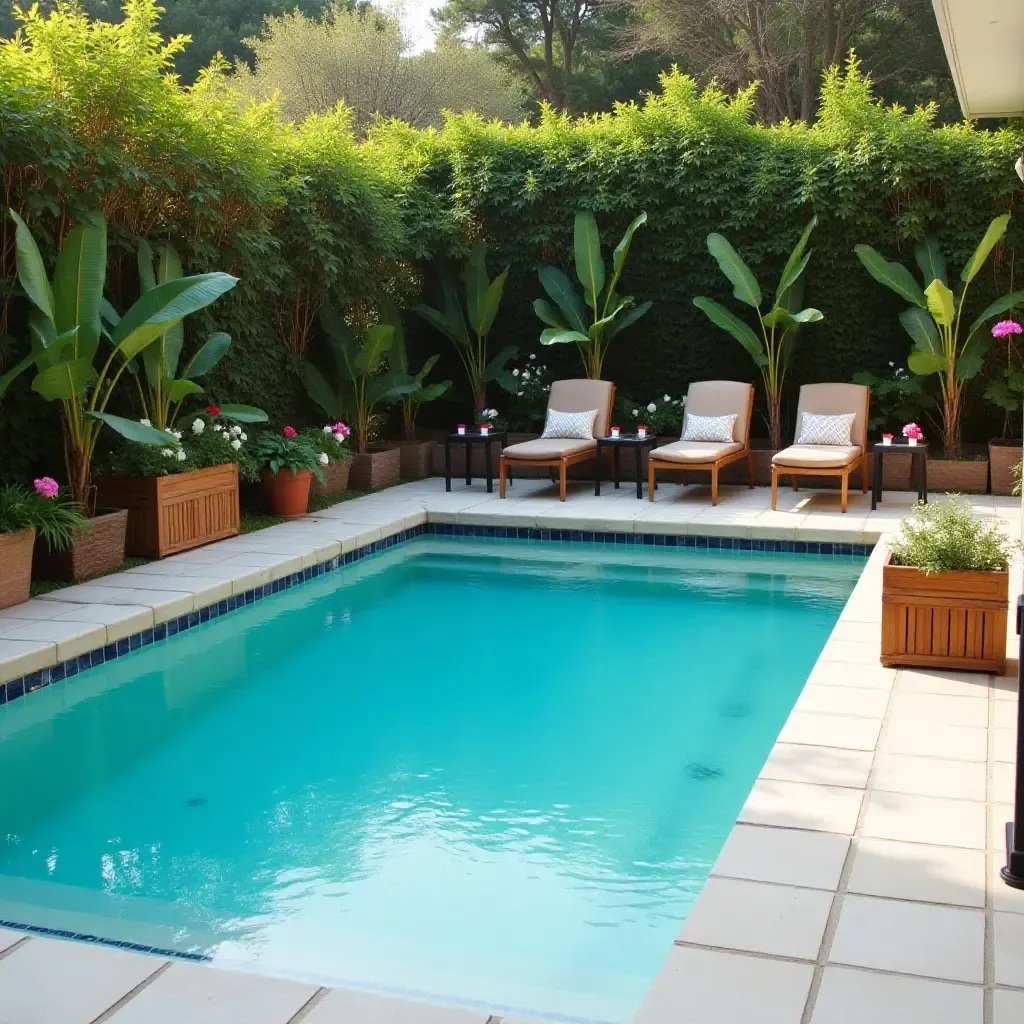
(290,432)
(213,410)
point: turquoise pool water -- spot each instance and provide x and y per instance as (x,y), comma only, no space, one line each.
(481,772)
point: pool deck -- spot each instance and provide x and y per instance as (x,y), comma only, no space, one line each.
(859,885)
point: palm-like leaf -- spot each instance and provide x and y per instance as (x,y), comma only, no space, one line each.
(744,284)
(78,282)
(941,303)
(548,313)
(243,413)
(32,270)
(320,391)
(930,261)
(488,309)
(566,298)
(894,276)
(587,254)
(131,429)
(475,278)
(796,264)
(209,355)
(627,320)
(622,251)
(921,328)
(997,307)
(995,232)
(742,332)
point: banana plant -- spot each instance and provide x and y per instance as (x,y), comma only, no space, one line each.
(66,331)
(934,319)
(360,381)
(400,361)
(467,320)
(771,351)
(593,321)
(161,390)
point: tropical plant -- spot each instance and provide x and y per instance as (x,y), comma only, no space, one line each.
(933,321)
(287,450)
(361,380)
(66,336)
(609,313)
(773,350)
(54,516)
(945,536)
(897,397)
(467,322)
(162,391)
(399,359)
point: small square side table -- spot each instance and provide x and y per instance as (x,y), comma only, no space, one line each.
(919,454)
(616,444)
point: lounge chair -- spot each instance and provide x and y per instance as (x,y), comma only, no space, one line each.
(825,457)
(566,396)
(709,398)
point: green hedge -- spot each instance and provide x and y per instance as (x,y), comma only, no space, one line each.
(89,119)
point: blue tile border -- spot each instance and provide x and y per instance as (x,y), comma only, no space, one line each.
(134,947)
(67,669)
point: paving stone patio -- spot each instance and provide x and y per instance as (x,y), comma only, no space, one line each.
(859,886)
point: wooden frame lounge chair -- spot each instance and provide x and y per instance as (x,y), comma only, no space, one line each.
(828,459)
(560,452)
(709,398)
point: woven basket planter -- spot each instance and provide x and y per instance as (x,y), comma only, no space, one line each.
(950,620)
(416,458)
(16,566)
(380,466)
(1002,457)
(336,476)
(958,476)
(167,514)
(97,546)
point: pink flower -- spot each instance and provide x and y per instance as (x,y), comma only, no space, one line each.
(46,486)
(913,431)
(1006,327)
(289,432)
(340,429)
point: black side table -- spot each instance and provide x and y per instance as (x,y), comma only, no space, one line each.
(616,444)
(919,454)
(470,439)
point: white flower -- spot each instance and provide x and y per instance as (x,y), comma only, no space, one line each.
(226,436)
(532,356)
(891,364)
(668,398)
(146,423)
(198,426)
(236,444)
(177,435)
(217,428)
(167,453)
(636,412)
(327,429)
(652,408)
(168,430)
(515,373)
(324,459)
(236,430)
(181,456)
(243,436)
(519,394)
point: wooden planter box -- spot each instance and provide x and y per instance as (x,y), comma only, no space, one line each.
(16,566)
(96,547)
(167,514)
(381,466)
(336,476)
(951,620)
(1002,457)
(957,476)
(416,458)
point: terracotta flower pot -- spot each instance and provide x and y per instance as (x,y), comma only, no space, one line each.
(951,620)
(336,476)
(287,492)
(1002,457)
(16,566)
(167,514)
(97,546)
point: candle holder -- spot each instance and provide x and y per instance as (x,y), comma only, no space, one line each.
(461,428)
(615,432)
(484,428)
(641,431)
(887,439)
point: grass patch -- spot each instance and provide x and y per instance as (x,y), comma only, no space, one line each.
(257,519)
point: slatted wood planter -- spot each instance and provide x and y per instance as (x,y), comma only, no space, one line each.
(168,514)
(951,620)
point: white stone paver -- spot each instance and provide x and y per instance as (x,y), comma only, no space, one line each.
(860,883)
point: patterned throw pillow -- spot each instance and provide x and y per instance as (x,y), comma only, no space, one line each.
(709,428)
(830,430)
(573,425)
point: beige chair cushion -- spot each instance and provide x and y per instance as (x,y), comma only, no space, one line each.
(721,398)
(695,451)
(549,448)
(582,395)
(834,399)
(817,456)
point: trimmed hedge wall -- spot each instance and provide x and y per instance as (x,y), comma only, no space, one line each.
(89,120)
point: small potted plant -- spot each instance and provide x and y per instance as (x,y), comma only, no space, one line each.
(945,591)
(331,443)
(23,514)
(288,463)
(913,433)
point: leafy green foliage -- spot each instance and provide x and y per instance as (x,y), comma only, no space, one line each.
(276,452)
(945,536)
(399,359)
(897,397)
(55,519)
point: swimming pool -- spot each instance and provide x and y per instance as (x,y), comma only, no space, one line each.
(483,772)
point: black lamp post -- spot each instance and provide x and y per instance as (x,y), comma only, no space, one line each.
(1013,872)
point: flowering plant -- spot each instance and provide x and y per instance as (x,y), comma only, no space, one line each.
(896,396)
(331,442)
(912,432)
(663,417)
(287,450)
(529,401)
(1006,389)
(55,517)
(204,441)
